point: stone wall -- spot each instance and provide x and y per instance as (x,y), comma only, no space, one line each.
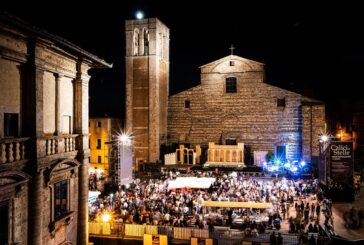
(10,85)
(147,78)
(252,111)
(109,127)
(44,79)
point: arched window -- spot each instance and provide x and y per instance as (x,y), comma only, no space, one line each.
(231,85)
(136,42)
(146,41)
(234,157)
(227,156)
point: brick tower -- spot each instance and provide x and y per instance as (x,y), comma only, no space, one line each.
(147,79)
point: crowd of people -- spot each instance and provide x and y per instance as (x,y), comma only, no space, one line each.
(153,203)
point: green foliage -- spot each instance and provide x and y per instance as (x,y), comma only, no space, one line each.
(269,156)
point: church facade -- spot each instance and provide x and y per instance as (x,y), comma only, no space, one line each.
(233,104)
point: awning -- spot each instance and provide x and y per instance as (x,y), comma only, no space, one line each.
(263,205)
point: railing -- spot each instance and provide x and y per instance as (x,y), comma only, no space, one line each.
(222,237)
(57,144)
(12,150)
(132,230)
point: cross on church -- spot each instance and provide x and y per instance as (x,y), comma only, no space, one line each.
(232,49)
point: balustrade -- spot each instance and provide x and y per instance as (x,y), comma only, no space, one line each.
(12,150)
(60,144)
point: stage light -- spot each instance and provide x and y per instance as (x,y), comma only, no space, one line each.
(324,138)
(302,163)
(287,165)
(106,217)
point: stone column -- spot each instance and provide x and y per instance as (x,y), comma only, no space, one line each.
(198,154)
(181,152)
(36,209)
(80,116)
(58,105)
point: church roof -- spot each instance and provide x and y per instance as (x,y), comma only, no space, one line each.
(311,101)
(231,57)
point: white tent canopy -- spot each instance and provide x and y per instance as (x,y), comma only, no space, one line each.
(190,182)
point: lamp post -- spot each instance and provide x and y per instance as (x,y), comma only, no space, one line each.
(323,143)
(125,159)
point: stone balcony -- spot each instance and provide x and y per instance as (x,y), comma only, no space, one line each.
(12,150)
(53,145)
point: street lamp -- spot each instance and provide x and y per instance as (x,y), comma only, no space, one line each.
(125,158)
(324,141)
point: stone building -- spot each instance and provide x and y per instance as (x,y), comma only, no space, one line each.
(233,104)
(44,151)
(101,131)
(147,81)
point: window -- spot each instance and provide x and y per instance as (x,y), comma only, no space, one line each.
(231,85)
(99,124)
(60,199)
(98,159)
(67,125)
(281,102)
(230,142)
(232,63)
(98,144)
(4,222)
(281,152)
(11,124)
(187,104)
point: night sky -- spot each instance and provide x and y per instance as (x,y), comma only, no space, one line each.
(315,50)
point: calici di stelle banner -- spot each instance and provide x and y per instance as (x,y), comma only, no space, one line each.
(341,158)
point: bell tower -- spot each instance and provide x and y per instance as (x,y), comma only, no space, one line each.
(147,82)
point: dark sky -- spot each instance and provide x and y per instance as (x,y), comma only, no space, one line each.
(315,49)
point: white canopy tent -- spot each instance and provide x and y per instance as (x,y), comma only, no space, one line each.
(190,182)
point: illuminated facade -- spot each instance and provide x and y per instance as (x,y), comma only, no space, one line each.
(101,132)
(233,104)
(44,152)
(147,79)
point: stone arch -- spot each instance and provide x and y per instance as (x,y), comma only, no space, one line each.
(222,156)
(61,166)
(227,156)
(136,37)
(234,156)
(146,41)
(240,66)
(210,156)
(216,155)
(9,179)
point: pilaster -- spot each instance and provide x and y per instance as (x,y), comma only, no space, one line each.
(58,104)
(81,119)
(36,209)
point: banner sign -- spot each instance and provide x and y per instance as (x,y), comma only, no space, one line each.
(341,158)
